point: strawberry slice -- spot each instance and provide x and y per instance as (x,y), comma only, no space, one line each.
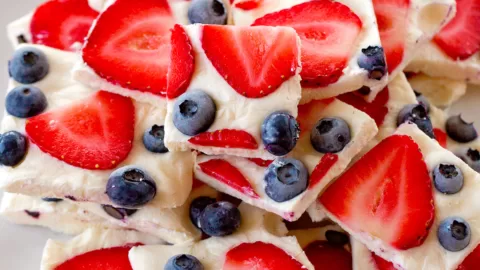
(392,19)
(324,255)
(248,4)
(441,137)
(225,138)
(197,183)
(95,133)
(322,168)
(259,255)
(377,109)
(460,38)
(182,63)
(103,259)
(130,45)
(387,193)
(260,162)
(226,173)
(329,31)
(382,264)
(62,23)
(255,61)
(472,261)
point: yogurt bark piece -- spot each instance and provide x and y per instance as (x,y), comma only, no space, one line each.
(246,178)
(341,48)
(251,246)
(83,136)
(427,211)
(241,94)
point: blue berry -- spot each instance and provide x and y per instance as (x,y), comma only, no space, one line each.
(459,130)
(454,234)
(447,178)
(416,114)
(207,12)
(422,100)
(53,200)
(220,219)
(28,65)
(25,101)
(372,59)
(194,112)
(280,133)
(330,135)
(196,208)
(153,139)
(118,213)
(130,187)
(471,157)
(183,262)
(285,179)
(337,238)
(13,148)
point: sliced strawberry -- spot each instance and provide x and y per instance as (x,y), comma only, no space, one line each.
(182,63)
(103,259)
(324,255)
(322,168)
(255,61)
(460,38)
(226,173)
(197,183)
(387,193)
(259,255)
(392,19)
(130,45)
(377,109)
(329,31)
(472,261)
(260,162)
(95,133)
(62,23)
(382,264)
(225,138)
(441,137)
(248,4)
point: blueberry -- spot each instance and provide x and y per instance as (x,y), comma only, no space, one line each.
(459,130)
(422,100)
(220,219)
(471,157)
(194,112)
(183,262)
(372,59)
(416,114)
(25,101)
(21,39)
(13,148)
(285,179)
(280,133)
(454,234)
(28,65)
(330,135)
(196,208)
(53,200)
(337,238)
(447,178)
(130,187)
(207,12)
(118,213)
(153,139)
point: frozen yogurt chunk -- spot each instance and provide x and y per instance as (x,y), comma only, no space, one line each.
(440,92)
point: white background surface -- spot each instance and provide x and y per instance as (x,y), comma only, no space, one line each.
(21,246)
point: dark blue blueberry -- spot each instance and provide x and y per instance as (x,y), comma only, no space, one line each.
(280,133)
(33,214)
(454,234)
(285,179)
(207,12)
(471,157)
(153,139)
(25,101)
(183,262)
(13,148)
(416,114)
(53,200)
(130,187)
(28,65)
(372,59)
(196,208)
(337,238)
(422,100)
(194,112)
(459,130)
(447,178)
(220,219)
(330,135)
(118,213)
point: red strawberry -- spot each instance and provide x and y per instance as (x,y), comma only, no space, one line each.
(324,255)
(472,261)
(103,259)
(259,255)
(255,61)
(382,264)
(377,109)
(260,162)
(197,183)
(62,23)
(441,137)
(130,45)
(182,63)
(248,4)
(322,168)
(329,31)
(95,133)
(460,38)
(392,18)
(387,193)
(228,174)
(225,138)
